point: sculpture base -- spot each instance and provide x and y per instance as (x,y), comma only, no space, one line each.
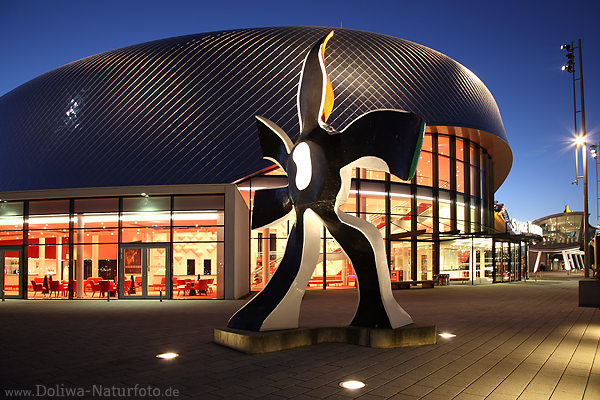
(265,342)
(589,293)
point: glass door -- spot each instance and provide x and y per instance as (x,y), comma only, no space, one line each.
(11,262)
(503,264)
(143,271)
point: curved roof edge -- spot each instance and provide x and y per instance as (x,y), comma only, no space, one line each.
(497,148)
(580,213)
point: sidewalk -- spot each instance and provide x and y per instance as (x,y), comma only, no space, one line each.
(526,340)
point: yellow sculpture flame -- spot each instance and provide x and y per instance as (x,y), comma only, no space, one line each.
(328,101)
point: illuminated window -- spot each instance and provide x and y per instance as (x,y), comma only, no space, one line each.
(424,174)
(460,149)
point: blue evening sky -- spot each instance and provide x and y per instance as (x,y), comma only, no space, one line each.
(513,46)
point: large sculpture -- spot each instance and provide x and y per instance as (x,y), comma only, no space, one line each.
(319,169)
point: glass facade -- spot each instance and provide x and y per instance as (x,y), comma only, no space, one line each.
(562,246)
(438,226)
(90,248)
(562,229)
(429,224)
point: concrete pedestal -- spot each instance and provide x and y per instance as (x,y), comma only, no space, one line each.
(589,293)
(266,342)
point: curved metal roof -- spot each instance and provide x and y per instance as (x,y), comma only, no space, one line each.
(181,110)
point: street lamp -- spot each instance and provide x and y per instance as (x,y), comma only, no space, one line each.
(580,140)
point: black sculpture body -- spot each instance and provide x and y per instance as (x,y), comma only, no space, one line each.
(319,167)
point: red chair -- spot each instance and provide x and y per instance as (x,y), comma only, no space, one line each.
(56,287)
(209,282)
(87,285)
(37,287)
(65,285)
(201,286)
(106,286)
(91,284)
(94,286)
(181,285)
(160,286)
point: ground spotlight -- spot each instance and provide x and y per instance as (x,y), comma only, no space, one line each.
(447,335)
(167,356)
(352,385)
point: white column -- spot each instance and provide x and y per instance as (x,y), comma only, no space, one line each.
(95,250)
(406,267)
(42,256)
(80,256)
(219,259)
(481,264)
(266,251)
(537,261)
(472,262)
(58,260)
(566,260)
(575,261)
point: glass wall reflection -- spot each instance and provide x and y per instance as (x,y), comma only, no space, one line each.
(142,246)
(444,200)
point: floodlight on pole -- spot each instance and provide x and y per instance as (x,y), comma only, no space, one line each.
(580,140)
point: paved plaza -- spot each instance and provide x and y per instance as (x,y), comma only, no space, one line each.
(524,340)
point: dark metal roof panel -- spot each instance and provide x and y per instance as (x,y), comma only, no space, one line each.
(181,110)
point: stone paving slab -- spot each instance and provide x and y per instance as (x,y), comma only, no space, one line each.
(525,340)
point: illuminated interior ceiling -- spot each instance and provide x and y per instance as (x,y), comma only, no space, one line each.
(181,110)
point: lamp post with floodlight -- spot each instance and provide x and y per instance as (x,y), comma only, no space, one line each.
(580,140)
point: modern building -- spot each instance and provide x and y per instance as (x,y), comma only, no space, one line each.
(132,172)
(562,247)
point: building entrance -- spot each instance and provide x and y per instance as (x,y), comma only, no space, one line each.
(507,261)
(144,271)
(11,265)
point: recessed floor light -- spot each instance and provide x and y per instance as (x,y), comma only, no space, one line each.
(352,385)
(167,356)
(447,335)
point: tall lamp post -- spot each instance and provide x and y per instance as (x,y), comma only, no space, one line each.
(580,141)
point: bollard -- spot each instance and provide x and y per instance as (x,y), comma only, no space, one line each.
(160,295)
(108,295)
